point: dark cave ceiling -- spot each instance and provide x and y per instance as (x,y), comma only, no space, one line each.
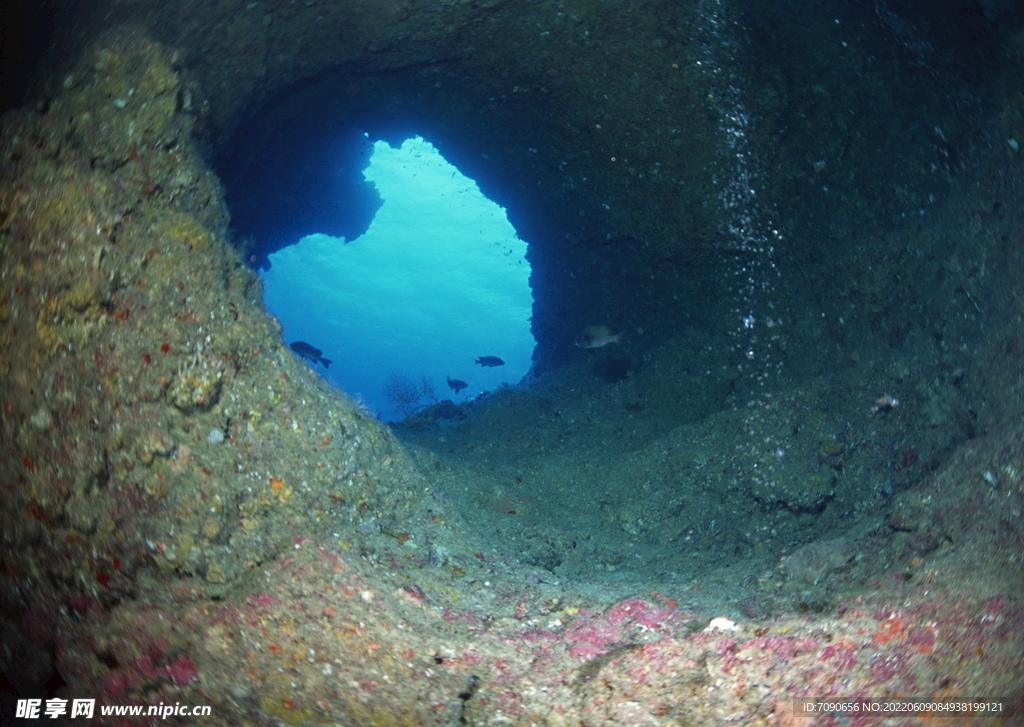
(593,124)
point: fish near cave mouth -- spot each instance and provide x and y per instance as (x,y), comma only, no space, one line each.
(298,167)
(425,311)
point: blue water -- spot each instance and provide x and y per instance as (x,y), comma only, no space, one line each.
(439,279)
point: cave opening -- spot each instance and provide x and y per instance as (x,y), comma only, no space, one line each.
(293,166)
(435,295)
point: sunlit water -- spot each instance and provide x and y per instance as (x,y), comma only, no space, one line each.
(439,279)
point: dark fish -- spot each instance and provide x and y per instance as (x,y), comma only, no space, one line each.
(490,361)
(456,385)
(313,353)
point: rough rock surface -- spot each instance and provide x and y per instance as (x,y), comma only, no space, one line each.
(310,568)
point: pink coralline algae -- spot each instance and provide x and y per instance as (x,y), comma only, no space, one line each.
(921,639)
(842,654)
(884,668)
(635,611)
(145,666)
(119,682)
(628,621)
(776,648)
(262,599)
(182,671)
(589,641)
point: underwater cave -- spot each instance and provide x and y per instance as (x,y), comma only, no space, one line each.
(757,441)
(439,276)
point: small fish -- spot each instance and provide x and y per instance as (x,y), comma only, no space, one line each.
(456,385)
(490,361)
(311,352)
(885,403)
(598,336)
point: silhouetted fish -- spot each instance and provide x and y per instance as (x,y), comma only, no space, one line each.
(490,361)
(311,352)
(598,336)
(456,385)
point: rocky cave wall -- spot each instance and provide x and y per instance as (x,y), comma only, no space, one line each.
(160,446)
(569,116)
